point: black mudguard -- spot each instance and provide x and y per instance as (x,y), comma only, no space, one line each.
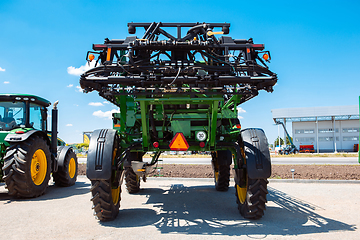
(100,154)
(61,154)
(258,162)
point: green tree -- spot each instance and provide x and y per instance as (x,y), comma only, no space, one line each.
(82,145)
(276,142)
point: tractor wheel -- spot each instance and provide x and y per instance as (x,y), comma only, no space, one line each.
(132,181)
(27,167)
(67,174)
(251,199)
(106,194)
(106,199)
(222,171)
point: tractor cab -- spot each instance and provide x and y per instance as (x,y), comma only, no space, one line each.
(23,111)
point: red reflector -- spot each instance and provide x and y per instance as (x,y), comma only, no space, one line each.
(19,132)
(258,45)
(156,144)
(99,46)
(202,144)
(179,143)
(238,126)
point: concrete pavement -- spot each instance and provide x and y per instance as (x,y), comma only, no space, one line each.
(186,209)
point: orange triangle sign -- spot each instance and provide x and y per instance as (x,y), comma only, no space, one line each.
(179,143)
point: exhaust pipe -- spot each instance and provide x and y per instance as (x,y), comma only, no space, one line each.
(54,124)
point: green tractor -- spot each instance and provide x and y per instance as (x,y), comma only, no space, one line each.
(29,153)
(178,93)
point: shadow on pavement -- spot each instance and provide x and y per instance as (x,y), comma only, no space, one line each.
(202,210)
(53,192)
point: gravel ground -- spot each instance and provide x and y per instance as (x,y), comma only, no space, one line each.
(319,172)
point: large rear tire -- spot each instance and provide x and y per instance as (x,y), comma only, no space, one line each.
(67,174)
(27,167)
(220,162)
(106,194)
(106,199)
(251,191)
(251,199)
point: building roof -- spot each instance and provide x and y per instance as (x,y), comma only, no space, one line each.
(319,113)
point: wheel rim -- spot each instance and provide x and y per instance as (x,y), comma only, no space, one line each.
(72,168)
(115,193)
(38,167)
(216,175)
(241,193)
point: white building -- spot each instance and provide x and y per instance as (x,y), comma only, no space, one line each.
(328,129)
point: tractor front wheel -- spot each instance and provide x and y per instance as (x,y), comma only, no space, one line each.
(27,167)
(67,174)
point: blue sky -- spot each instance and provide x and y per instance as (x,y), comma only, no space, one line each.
(314,47)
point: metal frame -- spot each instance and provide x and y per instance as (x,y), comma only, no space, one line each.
(162,82)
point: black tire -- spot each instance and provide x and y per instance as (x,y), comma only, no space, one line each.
(251,199)
(106,199)
(221,171)
(67,174)
(106,194)
(132,181)
(27,167)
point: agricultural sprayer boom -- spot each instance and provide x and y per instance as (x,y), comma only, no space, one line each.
(181,94)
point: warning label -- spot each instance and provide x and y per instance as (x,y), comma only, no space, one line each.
(179,143)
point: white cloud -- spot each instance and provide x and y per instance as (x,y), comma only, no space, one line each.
(107,114)
(79,89)
(70,85)
(96,104)
(69,125)
(6,82)
(106,102)
(2,69)
(240,111)
(78,71)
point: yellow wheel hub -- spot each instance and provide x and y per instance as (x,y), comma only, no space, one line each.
(38,167)
(115,193)
(241,193)
(216,176)
(72,167)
